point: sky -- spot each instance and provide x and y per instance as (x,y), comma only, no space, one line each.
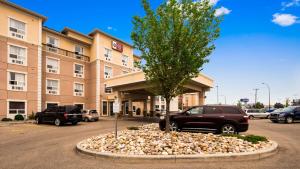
(259,42)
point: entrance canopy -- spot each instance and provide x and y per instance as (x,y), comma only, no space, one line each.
(135,83)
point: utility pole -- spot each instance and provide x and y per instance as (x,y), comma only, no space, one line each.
(217,94)
(269,90)
(255,95)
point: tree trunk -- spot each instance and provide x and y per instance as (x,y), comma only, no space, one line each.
(167,130)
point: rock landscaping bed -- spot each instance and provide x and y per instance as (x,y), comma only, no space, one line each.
(149,140)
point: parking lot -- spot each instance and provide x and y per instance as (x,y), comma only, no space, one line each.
(48,146)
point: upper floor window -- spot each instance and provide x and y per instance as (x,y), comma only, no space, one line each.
(107,89)
(107,72)
(78,70)
(78,89)
(17,55)
(78,50)
(16,81)
(52,44)
(17,28)
(108,54)
(52,65)
(125,60)
(52,87)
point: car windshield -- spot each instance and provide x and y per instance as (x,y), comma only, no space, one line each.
(287,109)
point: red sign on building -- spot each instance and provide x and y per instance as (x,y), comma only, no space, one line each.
(117,46)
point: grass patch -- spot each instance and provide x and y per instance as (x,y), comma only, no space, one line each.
(132,128)
(250,138)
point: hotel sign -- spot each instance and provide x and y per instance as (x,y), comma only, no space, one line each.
(117,46)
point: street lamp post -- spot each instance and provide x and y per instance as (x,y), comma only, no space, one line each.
(269,94)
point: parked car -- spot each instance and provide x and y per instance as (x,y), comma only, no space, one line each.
(257,113)
(90,115)
(288,115)
(59,115)
(209,118)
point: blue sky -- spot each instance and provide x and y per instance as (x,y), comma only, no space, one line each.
(259,42)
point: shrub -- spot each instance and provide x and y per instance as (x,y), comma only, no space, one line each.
(250,138)
(31,117)
(145,113)
(132,128)
(19,117)
(138,111)
(6,119)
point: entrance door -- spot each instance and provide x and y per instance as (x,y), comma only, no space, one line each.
(126,108)
(104,108)
(111,109)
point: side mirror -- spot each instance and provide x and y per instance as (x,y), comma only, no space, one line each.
(187,113)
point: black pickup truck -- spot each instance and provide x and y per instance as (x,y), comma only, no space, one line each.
(59,115)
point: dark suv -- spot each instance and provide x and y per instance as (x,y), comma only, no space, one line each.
(209,118)
(287,115)
(59,115)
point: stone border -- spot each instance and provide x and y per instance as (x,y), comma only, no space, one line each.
(199,157)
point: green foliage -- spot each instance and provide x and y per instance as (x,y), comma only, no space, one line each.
(258,105)
(239,104)
(32,116)
(132,128)
(6,119)
(19,117)
(250,138)
(278,105)
(175,41)
(287,102)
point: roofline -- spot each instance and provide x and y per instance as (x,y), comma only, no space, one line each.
(66,29)
(106,34)
(65,36)
(23,9)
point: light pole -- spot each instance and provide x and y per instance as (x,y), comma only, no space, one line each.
(255,95)
(269,94)
(224,99)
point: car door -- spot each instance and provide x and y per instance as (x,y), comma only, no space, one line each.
(212,117)
(192,118)
(297,113)
(47,114)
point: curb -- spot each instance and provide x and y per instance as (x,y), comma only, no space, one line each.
(255,155)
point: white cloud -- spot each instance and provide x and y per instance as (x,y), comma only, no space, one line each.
(222,11)
(213,2)
(290,4)
(284,19)
(109,28)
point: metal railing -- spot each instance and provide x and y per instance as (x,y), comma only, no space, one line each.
(53,49)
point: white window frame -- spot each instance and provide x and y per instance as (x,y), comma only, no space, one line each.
(10,87)
(51,70)
(107,56)
(9,59)
(11,33)
(78,75)
(78,53)
(13,100)
(108,76)
(58,87)
(125,62)
(51,47)
(79,94)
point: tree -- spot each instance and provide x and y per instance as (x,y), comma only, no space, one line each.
(239,104)
(175,41)
(287,102)
(278,106)
(259,105)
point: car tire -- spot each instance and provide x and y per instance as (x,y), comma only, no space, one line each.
(228,129)
(173,126)
(251,117)
(57,122)
(38,120)
(268,116)
(86,119)
(289,120)
(274,121)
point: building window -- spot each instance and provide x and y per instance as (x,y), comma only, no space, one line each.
(78,89)
(125,60)
(104,108)
(107,72)
(52,65)
(52,44)
(81,106)
(17,81)
(162,107)
(107,89)
(108,54)
(78,52)
(49,105)
(17,55)
(52,87)
(17,28)
(16,107)
(78,70)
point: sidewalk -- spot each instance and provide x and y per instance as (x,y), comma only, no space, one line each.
(6,123)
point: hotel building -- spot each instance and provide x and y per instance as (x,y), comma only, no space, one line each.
(40,67)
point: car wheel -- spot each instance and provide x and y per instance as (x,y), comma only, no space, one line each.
(173,126)
(289,120)
(268,116)
(57,122)
(38,120)
(251,117)
(228,129)
(86,119)
(274,121)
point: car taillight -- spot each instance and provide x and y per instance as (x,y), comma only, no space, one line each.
(246,118)
(66,115)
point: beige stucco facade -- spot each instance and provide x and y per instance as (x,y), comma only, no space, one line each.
(40,66)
